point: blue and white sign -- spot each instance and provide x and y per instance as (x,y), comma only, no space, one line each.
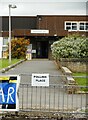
(8,92)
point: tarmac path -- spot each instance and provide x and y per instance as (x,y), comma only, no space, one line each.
(35,66)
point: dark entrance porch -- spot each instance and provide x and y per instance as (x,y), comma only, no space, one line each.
(42,49)
(42,46)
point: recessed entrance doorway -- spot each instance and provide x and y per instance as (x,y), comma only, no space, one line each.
(42,49)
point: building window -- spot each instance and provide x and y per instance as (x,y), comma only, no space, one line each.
(5,40)
(73,26)
(83,26)
(76,26)
(4,47)
(86,26)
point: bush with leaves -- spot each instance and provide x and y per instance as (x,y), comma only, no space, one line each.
(19,47)
(72,46)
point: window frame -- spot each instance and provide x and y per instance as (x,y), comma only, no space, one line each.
(5,41)
(71,25)
(84,25)
(78,25)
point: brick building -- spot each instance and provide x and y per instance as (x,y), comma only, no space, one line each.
(42,30)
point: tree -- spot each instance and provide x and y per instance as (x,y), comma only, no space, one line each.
(72,46)
(19,47)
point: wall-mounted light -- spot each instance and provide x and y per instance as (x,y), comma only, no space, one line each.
(55,34)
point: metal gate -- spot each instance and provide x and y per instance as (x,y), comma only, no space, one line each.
(58,97)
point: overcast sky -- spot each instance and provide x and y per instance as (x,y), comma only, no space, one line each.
(44,7)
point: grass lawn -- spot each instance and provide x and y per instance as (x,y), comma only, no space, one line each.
(81,81)
(5,62)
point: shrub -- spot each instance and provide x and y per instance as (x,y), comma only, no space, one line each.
(19,47)
(72,46)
